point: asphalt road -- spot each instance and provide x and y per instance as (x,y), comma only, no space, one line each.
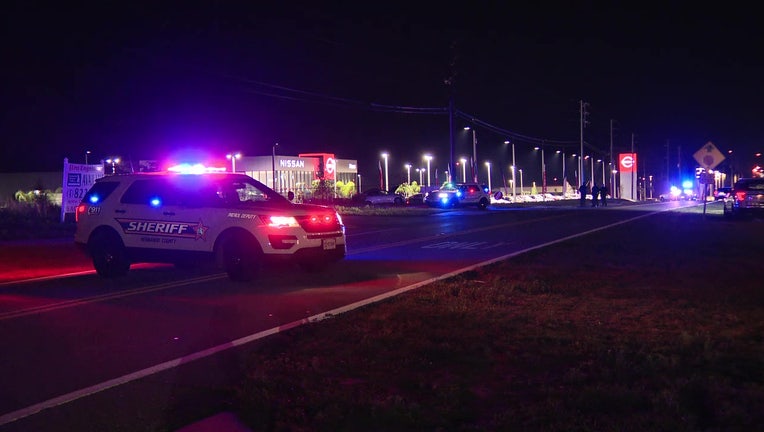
(75,341)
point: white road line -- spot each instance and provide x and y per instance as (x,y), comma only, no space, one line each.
(97,388)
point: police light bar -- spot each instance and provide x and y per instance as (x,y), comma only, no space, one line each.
(194,169)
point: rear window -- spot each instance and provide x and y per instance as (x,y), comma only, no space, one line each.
(755,185)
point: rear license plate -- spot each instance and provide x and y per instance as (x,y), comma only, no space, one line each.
(330,244)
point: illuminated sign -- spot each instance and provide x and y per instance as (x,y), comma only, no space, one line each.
(331,165)
(291,163)
(628,161)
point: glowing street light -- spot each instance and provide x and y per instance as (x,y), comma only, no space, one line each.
(488,164)
(408,173)
(385,156)
(113,162)
(87,152)
(464,169)
(233,157)
(428,158)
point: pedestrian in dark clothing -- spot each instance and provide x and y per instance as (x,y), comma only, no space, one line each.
(603,195)
(595,195)
(583,190)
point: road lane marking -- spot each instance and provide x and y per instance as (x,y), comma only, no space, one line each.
(104,297)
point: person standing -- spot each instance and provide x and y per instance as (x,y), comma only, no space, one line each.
(583,190)
(603,195)
(595,195)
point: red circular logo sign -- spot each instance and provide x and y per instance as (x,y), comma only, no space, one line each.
(331,164)
(627,162)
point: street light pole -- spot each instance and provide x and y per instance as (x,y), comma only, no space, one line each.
(387,185)
(512,167)
(563,172)
(513,170)
(408,173)
(273,165)
(428,158)
(521,181)
(474,153)
(464,169)
(488,164)
(87,152)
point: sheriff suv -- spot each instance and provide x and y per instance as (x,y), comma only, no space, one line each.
(229,219)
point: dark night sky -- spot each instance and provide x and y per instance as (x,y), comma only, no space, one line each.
(143,80)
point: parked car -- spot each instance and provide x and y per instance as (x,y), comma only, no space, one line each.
(722,192)
(676,194)
(377,196)
(746,198)
(459,194)
(415,200)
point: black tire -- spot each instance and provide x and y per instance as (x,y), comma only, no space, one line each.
(398,201)
(483,204)
(109,254)
(241,257)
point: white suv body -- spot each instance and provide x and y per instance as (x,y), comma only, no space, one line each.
(183,218)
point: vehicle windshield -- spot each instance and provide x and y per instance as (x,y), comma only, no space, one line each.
(243,189)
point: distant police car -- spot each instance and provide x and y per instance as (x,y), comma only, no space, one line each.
(183,218)
(459,194)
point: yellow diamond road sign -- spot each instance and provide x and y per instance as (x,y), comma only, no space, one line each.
(709,156)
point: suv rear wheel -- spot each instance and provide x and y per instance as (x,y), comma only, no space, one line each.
(109,254)
(482,204)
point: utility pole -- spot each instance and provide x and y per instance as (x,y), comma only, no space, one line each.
(583,110)
(668,167)
(450,81)
(679,164)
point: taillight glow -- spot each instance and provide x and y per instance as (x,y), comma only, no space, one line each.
(80,210)
(740,195)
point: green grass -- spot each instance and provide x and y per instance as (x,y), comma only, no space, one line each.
(642,335)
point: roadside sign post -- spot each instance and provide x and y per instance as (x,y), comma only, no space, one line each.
(708,157)
(78,178)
